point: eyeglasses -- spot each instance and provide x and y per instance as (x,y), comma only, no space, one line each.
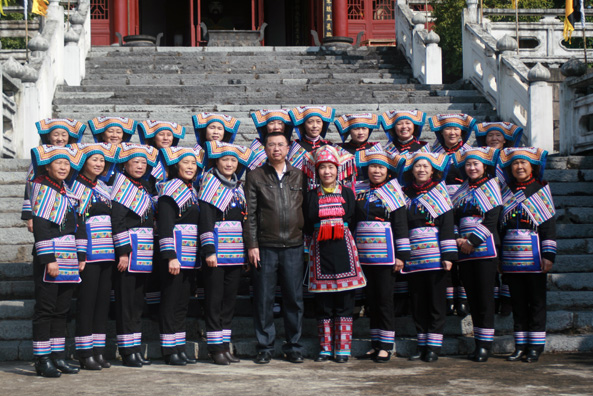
(273,145)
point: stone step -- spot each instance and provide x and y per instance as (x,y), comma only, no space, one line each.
(569,175)
(574,282)
(14,253)
(572,201)
(568,231)
(16,271)
(11,205)
(578,263)
(11,220)
(575,246)
(15,236)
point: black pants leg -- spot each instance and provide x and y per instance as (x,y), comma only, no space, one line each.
(379,292)
(92,308)
(338,306)
(429,306)
(528,298)
(129,302)
(52,303)
(478,277)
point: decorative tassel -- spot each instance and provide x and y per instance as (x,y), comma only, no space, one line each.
(331,230)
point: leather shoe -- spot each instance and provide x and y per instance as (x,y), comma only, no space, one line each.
(341,359)
(322,358)
(369,355)
(64,367)
(418,354)
(231,358)
(220,359)
(101,360)
(383,359)
(430,356)
(263,357)
(187,359)
(89,363)
(45,367)
(462,308)
(532,356)
(131,360)
(450,307)
(174,360)
(480,355)
(145,362)
(518,355)
(294,357)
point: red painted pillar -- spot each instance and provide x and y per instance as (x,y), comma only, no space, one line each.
(340,18)
(120,18)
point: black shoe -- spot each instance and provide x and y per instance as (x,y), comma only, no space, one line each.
(174,360)
(480,355)
(220,358)
(45,367)
(131,360)
(294,357)
(462,308)
(101,360)
(89,363)
(145,362)
(187,359)
(341,359)
(505,307)
(263,357)
(450,307)
(64,367)
(321,358)
(230,357)
(519,354)
(369,355)
(430,356)
(383,359)
(532,356)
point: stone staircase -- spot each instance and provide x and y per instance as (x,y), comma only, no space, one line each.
(173,84)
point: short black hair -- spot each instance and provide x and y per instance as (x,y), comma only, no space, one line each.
(272,134)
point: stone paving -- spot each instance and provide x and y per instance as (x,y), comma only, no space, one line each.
(554,374)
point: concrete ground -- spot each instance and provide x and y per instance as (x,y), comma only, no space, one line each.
(554,374)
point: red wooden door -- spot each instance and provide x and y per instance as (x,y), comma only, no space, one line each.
(100,22)
(375,17)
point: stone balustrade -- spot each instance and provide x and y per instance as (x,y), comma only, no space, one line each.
(418,45)
(57,57)
(576,109)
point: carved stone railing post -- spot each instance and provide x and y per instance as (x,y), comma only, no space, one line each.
(541,109)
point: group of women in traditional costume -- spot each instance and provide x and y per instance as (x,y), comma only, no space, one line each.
(435,224)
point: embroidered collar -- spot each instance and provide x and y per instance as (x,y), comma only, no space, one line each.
(477,183)
(523,185)
(423,188)
(455,148)
(88,181)
(57,185)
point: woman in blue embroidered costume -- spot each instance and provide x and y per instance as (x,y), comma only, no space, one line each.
(528,233)
(452,132)
(312,123)
(268,121)
(477,205)
(359,127)
(132,219)
(55,262)
(383,245)
(93,199)
(403,129)
(433,248)
(178,214)
(499,135)
(334,269)
(54,132)
(223,211)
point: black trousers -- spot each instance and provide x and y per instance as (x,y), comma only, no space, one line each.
(334,304)
(220,286)
(478,277)
(52,303)
(379,294)
(528,298)
(129,303)
(429,303)
(175,294)
(92,308)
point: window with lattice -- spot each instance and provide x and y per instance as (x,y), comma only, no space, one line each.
(99,9)
(355,9)
(383,10)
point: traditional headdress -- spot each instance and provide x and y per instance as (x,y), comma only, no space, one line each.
(512,133)
(486,155)
(376,155)
(536,156)
(74,128)
(441,121)
(300,114)
(202,120)
(133,150)
(261,118)
(390,118)
(46,154)
(149,129)
(216,149)
(439,162)
(172,155)
(107,150)
(342,159)
(99,125)
(350,121)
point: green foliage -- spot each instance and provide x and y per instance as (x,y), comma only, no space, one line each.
(13,42)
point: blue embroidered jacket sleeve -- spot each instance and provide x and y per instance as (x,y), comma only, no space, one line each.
(447,236)
(547,236)
(399,225)
(208,215)
(167,213)
(44,247)
(121,236)
(489,226)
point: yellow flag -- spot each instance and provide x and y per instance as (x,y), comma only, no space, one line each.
(515,4)
(5,4)
(40,7)
(568,20)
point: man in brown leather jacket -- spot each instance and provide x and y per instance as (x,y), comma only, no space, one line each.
(273,235)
